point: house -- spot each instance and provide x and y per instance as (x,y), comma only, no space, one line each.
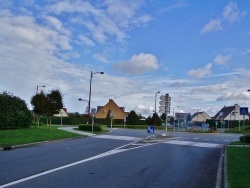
(200,117)
(111,106)
(62,113)
(229,113)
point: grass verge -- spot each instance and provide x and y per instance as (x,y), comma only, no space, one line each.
(32,135)
(238,167)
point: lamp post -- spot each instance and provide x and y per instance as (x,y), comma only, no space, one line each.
(37,88)
(80,99)
(90,83)
(155,106)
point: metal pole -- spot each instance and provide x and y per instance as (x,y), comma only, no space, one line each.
(155,105)
(90,82)
(166,123)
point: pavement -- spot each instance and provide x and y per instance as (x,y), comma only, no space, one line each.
(72,129)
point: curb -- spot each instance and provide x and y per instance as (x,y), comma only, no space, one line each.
(37,143)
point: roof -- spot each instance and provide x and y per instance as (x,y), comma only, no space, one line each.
(224,112)
(102,111)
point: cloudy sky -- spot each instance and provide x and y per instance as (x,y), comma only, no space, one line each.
(197,51)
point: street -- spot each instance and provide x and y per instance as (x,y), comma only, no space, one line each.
(117,159)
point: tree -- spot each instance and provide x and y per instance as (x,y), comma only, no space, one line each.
(39,103)
(14,113)
(158,120)
(47,104)
(163,116)
(133,119)
(54,103)
(189,118)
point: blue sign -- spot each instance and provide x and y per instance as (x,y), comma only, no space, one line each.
(243,110)
(151,129)
(216,122)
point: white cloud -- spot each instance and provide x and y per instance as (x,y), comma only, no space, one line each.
(229,15)
(234,96)
(199,73)
(86,41)
(138,64)
(111,19)
(221,59)
(231,12)
(209,89)
(213,25)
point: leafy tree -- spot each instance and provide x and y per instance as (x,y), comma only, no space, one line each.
(39,103)
(54,103)
(47,104)
(163,116)
(158,120)
(133,119)
(14,113)
(189,117)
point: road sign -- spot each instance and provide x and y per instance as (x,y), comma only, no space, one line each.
(165,103)
(216,122)
(243,110)
(204,125)
(151,129)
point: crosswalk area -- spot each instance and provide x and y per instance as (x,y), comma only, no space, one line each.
(195,144)
(175,141)
(115,137)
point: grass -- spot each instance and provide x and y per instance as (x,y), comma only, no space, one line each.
(32,135)
(238,167)
(236,129)
(238,143)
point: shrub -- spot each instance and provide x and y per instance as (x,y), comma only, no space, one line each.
(14,113)
(247,139)
(96,128)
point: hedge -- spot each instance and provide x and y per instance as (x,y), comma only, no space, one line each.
(247,138)
(96,128)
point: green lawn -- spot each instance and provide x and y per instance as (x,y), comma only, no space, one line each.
(238,166)
(32,135)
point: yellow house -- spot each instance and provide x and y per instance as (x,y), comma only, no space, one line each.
(111,106)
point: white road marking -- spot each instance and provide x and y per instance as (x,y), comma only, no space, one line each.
(111,152)
(196,138)
(196,144)
(130,138)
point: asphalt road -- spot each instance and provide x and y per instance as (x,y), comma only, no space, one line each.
(118,159)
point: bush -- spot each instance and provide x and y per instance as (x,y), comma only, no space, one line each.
(247,139)
(96,128)
(14,113)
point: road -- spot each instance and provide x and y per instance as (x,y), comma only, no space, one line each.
(118,159)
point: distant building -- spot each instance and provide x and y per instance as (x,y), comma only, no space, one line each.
(62,113)
(111,106)
(200,117)
(230,113)
(181,117)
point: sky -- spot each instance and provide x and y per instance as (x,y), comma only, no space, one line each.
(196,51)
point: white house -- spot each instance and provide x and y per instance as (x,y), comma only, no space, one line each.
(230,113)
(200,117)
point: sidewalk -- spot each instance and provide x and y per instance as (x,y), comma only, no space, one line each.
(72,129)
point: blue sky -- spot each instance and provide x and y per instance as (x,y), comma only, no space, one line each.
(197,51)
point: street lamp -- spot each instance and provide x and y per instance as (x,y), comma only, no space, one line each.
(37,88)
(155,106)
(90,83)
(80,99)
